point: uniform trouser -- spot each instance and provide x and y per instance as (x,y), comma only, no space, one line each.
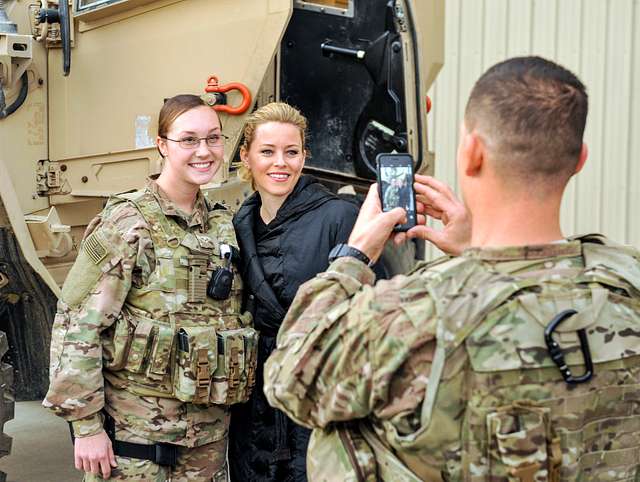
(199,464)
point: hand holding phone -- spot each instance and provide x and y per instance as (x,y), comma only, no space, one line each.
(395,186)
(373,226)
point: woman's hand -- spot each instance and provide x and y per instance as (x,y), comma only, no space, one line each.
(94,454)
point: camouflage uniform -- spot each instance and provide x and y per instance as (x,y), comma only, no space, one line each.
(391,197)
(138,285)
(444,374)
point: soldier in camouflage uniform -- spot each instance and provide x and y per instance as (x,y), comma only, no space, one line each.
(391,196)
(149,346)
(518,360)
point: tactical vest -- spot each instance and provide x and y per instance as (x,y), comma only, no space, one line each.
(171,339)
(497,406)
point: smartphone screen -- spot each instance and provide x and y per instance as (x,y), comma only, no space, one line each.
(395,186)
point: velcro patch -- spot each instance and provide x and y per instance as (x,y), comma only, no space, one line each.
(94,247)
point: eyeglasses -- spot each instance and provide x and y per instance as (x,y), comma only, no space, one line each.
(214,140)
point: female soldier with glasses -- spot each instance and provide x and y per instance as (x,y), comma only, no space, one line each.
(149,345)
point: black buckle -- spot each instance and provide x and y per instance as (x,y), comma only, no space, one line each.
(166,454)
(556,352)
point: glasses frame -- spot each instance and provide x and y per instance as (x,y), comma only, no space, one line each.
(200,139)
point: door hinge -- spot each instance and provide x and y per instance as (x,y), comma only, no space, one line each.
(400,16)
(49,178)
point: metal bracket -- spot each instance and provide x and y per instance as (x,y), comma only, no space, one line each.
(399,14)
(42,29)
(50,237)
(49,178)
(15,57)
(321,6)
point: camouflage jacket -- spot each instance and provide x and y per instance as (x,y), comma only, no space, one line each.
(446,371)
(97,290)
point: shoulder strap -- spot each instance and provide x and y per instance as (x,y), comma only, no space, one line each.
(590,238)
(609,260)
(164,232)
(466,293)
(131,195)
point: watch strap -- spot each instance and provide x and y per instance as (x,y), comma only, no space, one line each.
(341,250)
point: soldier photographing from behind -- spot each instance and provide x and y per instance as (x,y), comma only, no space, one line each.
(517,360)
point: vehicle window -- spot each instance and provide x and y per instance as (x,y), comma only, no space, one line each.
(83,5)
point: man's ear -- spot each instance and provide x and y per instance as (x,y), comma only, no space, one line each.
(473,153)
(584,153)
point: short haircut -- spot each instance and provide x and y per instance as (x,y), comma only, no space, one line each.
(531,114)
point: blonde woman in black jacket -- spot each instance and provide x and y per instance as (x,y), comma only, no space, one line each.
(285,231)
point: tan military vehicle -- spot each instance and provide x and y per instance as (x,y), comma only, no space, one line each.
(81,85)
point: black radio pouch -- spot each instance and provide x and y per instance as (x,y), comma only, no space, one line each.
(219,287)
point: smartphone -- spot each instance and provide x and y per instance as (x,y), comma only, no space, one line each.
(395,186)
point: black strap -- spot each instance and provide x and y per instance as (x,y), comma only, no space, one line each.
(158,453)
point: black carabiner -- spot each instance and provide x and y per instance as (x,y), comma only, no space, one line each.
(555,352)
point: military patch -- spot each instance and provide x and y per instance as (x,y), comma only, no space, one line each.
(94,247)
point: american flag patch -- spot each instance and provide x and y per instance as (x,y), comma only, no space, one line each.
(94,247)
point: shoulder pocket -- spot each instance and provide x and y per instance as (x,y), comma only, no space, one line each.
(82,278)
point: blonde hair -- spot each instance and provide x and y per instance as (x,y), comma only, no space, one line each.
(273,112)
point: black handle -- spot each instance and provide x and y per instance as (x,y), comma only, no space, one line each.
(329,49)
(61,16)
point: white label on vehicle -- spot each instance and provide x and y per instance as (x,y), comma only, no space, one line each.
(143,140)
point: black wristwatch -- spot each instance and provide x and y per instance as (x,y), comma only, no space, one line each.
(342,249)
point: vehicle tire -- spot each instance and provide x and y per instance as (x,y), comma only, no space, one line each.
(7,401)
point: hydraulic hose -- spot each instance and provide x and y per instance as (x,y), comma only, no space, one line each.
(22,95)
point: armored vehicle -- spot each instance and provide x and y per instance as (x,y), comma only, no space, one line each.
(81,84)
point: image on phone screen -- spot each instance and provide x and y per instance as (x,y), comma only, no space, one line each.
(396,188)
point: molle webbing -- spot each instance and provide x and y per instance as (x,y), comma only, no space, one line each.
(453,329)
(523,421)
(173,340)
(164,232)
(197,282)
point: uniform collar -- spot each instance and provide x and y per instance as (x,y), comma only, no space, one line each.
(510,253)
(197,218)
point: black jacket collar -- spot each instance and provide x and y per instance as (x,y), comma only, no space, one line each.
(307,195)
